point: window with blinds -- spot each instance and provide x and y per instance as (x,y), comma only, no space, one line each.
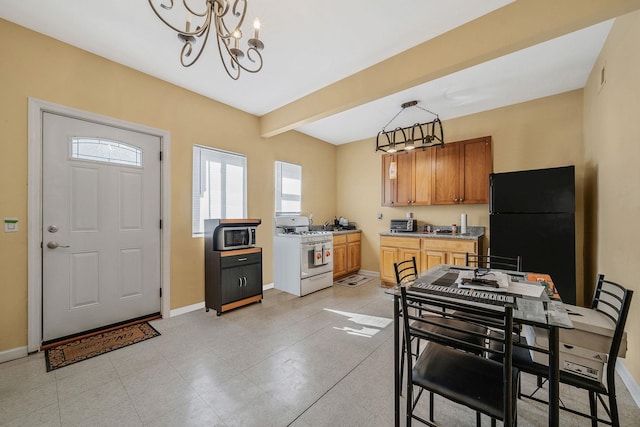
(219,186)
(288,188)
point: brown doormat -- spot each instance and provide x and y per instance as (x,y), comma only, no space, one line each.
(87,347)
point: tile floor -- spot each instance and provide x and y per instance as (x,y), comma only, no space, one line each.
(287,361)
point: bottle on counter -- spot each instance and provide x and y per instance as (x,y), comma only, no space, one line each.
(454,229)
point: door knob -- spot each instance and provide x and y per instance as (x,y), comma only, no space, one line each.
(53,245)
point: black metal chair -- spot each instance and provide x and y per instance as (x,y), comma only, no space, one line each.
(454,366)
(613,301)
(494,261)
(406,272)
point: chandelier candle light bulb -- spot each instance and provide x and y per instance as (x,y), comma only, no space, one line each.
(256,28)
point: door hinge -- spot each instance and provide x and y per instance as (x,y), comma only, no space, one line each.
(160,224)
(161,156)
(160,292)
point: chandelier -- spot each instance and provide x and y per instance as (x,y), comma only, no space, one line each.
(420,135)
(225,17)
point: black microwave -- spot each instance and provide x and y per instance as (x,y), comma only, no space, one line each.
(229,238)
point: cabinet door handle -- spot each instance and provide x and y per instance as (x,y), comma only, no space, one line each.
(245,280)
(240,281)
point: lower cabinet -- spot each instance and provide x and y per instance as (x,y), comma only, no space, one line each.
(354,255)
(396,249)
(427,251)
(446,251)
(232,279)
(346,254)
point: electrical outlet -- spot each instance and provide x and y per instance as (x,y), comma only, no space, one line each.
(11,225)
(379,217)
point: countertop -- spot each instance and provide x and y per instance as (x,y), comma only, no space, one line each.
(473,233)
(346,231)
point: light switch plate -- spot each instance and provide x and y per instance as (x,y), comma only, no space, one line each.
(10,225)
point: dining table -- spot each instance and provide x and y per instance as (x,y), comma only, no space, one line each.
(533,296)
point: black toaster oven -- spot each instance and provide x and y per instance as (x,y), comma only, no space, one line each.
(404,225)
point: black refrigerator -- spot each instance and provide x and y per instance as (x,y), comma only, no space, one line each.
(532,214)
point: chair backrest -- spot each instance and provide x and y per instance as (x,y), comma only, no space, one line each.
(406,270)
(494,261)
(460,334)
(612,300)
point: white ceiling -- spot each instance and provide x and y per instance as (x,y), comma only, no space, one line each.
(310,44)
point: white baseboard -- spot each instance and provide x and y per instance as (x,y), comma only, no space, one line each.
(629,381)
(14,353)
(186,309)
(267,286)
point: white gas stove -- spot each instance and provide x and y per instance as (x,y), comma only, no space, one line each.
(302,259)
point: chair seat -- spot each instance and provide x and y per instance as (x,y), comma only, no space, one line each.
(477,382)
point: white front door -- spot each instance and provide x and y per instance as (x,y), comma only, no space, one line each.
(100,225)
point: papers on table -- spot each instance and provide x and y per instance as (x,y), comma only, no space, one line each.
(527,289)
(497,281)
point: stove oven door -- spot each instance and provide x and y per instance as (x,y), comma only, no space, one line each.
(316,258)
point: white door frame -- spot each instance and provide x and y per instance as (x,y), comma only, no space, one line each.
(34,222)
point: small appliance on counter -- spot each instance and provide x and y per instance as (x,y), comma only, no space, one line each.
(404,225)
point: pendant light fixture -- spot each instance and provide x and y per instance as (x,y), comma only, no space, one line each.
(420,135)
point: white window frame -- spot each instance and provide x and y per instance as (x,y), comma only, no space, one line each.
(293,171)
(201,156)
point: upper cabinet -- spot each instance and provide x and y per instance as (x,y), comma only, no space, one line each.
(457,173)
(461,172)
(406,178)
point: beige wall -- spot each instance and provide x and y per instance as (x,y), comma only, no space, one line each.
(612,156)
(40,67)
(538,134)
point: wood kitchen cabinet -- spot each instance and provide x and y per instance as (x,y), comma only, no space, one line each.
(427,251)
(396,249)
(412,183)
(346,254)
(339,255)
(446,251)
(460,172)
(232,278)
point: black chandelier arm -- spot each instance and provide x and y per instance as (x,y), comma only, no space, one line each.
(234,66)
(187,48)
(198,29)
(222,29)
(240,14)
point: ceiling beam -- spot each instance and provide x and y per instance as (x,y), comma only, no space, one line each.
(514,27)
